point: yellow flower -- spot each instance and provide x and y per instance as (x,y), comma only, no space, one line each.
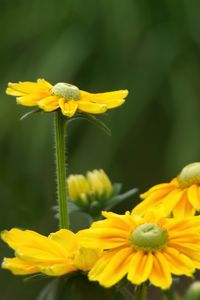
(58,254)
(93,186)
(181,196)
(150,247)
(64,96)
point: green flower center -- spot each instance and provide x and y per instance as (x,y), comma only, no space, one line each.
(189,175)
(149,237)
(66,90)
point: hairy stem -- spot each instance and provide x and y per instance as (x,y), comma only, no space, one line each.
(61,174)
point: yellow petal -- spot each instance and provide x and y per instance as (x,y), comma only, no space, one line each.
(160,275)
(68,108)
(19,267)
(92,108)
(23,88)
(140,267)
(178,225)
(108,97)
(193,196)
(29,100)
(111,267)
(66,239)
(179,263)
(161,186)
(57,269)
(32,241)
(189,250)
(49,104)
(164,197)
(183,208)
(86,258)
(126,222)
(105,238)
(45,84)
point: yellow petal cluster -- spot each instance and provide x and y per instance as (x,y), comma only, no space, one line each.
(68,98)
(179,254)
(180,196)
(58,254)
(93,186)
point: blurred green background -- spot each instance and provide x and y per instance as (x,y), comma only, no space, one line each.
(149,47)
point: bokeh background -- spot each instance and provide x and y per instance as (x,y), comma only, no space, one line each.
(149,47)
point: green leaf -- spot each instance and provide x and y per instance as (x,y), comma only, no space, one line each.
(30,113)
(92,119)
(119,198)
(116,189)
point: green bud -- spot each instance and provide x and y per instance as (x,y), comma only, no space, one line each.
(66,90)
(149,237)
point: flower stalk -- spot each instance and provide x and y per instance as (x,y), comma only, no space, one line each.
(61,168)
(141,292)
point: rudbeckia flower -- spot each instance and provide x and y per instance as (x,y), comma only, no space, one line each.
(143,248)
(64,96)
(58,254)
(180,196)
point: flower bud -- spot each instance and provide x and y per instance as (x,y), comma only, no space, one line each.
(91,190)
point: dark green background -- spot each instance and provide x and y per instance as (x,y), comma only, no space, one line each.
(149,47)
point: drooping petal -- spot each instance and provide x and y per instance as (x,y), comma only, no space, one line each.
(111,267)
(58,269)
(183,207)
(25,88)
(49,104)
(167,187)
(66,239)
(158,198)
(19,267)
(30,240)
(179,263)
(140,267)
(90,107)
(86,258)
(112,99)
(29,100)
(193,196)
(160,275)
(68,108)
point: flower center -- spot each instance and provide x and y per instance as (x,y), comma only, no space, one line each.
(66,90)
(189,175)
(149,237)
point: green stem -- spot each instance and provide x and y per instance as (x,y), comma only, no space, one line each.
(60,129)
(141,292)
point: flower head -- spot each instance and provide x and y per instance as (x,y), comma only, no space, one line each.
(150,247)
(64,96)
(181,196)
(58,254)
